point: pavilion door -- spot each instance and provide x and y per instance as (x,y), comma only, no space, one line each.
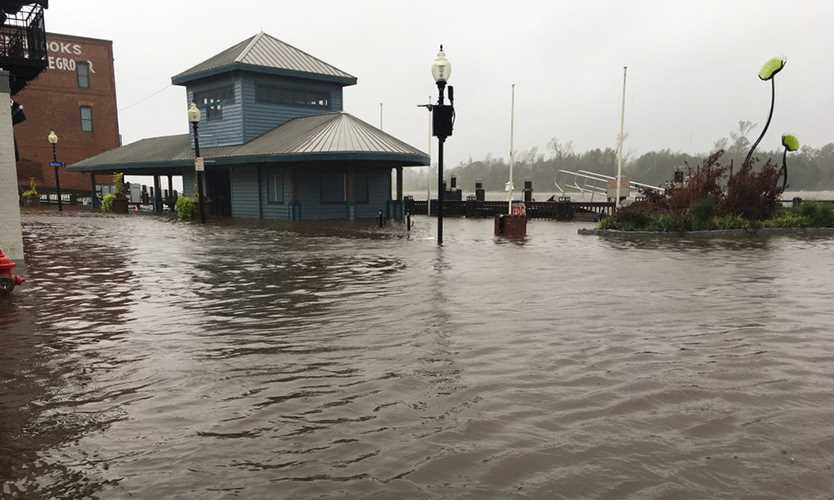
(219,192)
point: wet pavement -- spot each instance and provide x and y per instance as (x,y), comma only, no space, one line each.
(152,359)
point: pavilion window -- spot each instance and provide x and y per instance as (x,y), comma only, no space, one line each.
(333,187)
(360,187)
(213,101)
(275,188)
(86,119)
(272,94)
(82,71)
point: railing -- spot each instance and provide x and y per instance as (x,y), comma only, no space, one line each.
(23,49)
(559,210)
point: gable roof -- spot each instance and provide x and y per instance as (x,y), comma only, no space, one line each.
(264,53)
(329,136)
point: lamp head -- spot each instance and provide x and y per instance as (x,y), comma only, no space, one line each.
(441,68)
(52,137)
(193,113)
(791,142)
(771,67)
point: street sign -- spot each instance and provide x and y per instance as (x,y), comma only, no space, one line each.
(56,164)
(199,164)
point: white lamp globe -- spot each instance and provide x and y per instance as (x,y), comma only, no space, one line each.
(193,113)
(441,69)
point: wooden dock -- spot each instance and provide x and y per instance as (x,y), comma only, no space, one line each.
(557,210)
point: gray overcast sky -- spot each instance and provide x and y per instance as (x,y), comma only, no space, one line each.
(692,65)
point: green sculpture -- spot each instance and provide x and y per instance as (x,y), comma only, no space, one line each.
(791,143)
(768,72)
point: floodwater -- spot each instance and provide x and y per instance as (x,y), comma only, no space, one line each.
(150,359)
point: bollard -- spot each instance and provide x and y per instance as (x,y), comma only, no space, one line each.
(480,194)
(380,219)
(408,221)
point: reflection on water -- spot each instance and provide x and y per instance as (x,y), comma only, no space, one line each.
(153,359)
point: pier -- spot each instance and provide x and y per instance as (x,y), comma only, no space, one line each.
(565,210)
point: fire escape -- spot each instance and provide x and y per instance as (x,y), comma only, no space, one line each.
(22,45)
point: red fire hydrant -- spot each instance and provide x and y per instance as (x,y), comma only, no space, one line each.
(8,280)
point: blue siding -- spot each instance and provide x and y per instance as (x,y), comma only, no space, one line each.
(244,185)
(275,210)
(229,130)
(309,192)
(261,118)
(379,192)
(188,184)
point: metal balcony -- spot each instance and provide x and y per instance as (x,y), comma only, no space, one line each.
(22,41)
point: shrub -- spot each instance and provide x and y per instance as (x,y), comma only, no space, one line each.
(186,208)
(32,193)
(731,222)
(663,223)
(703,212)
(787,219)
(753,194)
(119,184)
(107,202)
(635,217)
(818,214)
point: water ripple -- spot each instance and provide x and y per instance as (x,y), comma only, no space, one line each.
(150,359)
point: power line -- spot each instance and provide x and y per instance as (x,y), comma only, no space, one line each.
(146,98)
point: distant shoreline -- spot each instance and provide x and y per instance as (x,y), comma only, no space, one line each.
(714,233)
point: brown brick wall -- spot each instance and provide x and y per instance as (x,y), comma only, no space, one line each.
(53,101)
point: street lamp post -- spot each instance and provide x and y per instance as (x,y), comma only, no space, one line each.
(53,139)
(194,119)
(442,121)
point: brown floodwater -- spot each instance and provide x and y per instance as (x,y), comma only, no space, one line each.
(151,359)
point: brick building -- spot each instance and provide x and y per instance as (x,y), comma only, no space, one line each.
(76,97)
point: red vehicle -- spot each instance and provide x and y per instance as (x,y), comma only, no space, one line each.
(8,280)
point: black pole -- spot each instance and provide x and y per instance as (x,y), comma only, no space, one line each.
(785,169)
(769,117)
(171,199)
(57,177)
(440,195)
(93,193)
(157,194)
(199,174)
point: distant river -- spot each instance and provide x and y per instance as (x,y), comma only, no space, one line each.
(578,196)
(149,359)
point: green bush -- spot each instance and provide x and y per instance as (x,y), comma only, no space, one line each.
(818,214)
(186,208)
(703,212)
(107,202)
(32,193)
(119,183)
(663,223)
(731,222)
(787,218)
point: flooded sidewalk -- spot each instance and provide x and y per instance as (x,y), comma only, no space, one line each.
(149,358)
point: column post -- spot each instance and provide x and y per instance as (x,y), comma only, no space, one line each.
(399,214)
(11,237)
(157,195)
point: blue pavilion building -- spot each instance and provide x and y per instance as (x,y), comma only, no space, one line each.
(276,142)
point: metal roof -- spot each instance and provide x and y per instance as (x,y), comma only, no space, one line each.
(326,137)
(264,53)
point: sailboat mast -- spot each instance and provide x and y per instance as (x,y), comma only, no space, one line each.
(510,186)
(620,143)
